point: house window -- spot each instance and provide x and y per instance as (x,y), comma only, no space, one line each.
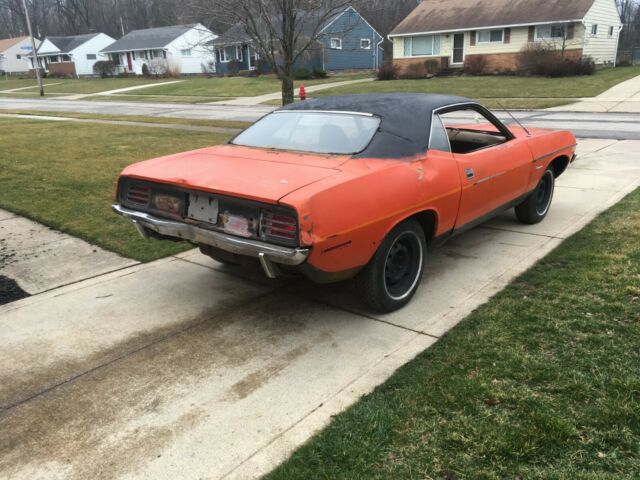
(18,57)
(550,32)
(423,45)
(611,30)
(66,58)
(53,59)
(91,56)
(186,52)
(365,43)
(491,36)
(594,29)
(239,55)
(336,43)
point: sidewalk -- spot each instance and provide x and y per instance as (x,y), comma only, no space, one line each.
(246,101)
(623,98)
(40,259)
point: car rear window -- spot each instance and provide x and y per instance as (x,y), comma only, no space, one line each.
(311,131)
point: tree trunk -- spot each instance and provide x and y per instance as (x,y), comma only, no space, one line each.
(287,86)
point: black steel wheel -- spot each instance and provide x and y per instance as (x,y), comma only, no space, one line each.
(393,275)
(536,206)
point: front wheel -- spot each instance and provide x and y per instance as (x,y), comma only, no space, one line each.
(536,206)
(392,276)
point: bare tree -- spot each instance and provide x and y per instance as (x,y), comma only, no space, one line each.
(281,31)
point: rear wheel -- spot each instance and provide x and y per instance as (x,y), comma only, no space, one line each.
(536,206)
(392,276)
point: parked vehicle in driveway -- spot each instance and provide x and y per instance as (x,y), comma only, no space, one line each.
(356,186)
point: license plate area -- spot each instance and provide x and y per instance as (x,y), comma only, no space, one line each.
(203,208)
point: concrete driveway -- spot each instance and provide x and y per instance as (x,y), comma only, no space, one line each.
(183,368)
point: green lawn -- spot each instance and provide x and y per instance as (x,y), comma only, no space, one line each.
(73,86)
(542,382)
(190,90)
(235,86)
(66,179)
(538,90)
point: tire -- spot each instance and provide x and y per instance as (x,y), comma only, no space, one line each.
(536,206)
(391,278)
(221,256)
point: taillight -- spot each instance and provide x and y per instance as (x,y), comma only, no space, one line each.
(278,226)
(139,195)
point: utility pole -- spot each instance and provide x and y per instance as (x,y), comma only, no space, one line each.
(33,48)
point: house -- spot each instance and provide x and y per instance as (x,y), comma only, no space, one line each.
(451,32)
(73,56)
(351,43)
(346,42)
(14,54)
(180,47)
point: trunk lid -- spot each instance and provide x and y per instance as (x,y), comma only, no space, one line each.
(255,174)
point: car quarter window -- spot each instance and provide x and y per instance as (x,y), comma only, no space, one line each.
(439,139)
(469,130)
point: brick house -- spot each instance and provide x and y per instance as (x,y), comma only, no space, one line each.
(450,32)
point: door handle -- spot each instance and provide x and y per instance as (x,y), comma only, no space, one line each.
(470,173)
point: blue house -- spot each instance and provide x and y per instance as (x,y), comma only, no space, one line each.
(346,42)
(350,43)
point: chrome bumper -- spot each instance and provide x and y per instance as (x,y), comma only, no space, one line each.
(251,248)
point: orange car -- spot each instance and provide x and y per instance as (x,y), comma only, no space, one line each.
(349,186)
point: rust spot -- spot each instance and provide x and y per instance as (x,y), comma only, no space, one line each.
(336,247)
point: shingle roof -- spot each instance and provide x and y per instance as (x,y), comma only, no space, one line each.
(149,38)
(236,34)
(68,44)
(447,15)
(7,43)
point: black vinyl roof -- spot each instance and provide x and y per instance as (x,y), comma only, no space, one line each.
(405,118)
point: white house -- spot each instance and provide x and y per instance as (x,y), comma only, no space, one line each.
(499,29)
(15,53)
(74,55)
(180,47)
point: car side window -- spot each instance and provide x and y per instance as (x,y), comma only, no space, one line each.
(469,130)
(439,137)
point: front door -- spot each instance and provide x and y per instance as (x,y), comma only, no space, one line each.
(458,48)
(493,167)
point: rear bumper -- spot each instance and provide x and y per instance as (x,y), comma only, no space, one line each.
(241,246)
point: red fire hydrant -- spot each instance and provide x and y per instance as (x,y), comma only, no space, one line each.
(303,92)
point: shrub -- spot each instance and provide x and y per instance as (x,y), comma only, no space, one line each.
(475,64)
(546,61)
(388,71)
(145,70)
(173,68)
(233,67)
(302,74)
(319,73)
(104,68)
(157,67)
(431,66)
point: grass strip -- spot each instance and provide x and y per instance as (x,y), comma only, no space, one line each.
(542,382)
(66,178)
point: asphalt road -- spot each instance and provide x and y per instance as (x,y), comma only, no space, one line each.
(617,126)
